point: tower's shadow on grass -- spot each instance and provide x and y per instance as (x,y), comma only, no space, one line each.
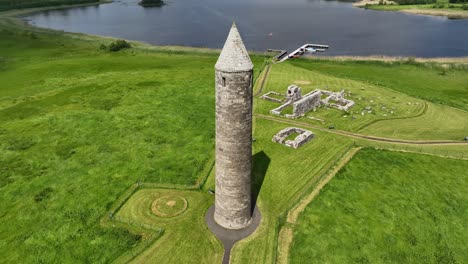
(261,162)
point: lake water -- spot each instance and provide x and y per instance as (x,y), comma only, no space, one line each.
(278,24)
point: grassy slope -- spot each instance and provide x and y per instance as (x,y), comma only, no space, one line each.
(78,126)
(434,124)
(288,173)
(388,207)
(451,151)
(438,122)
(418,81)
(284,74)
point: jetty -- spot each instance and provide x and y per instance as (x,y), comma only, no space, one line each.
(306,48)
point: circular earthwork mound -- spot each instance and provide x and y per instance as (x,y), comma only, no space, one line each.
(169,206)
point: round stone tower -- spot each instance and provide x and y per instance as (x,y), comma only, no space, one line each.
(234,73)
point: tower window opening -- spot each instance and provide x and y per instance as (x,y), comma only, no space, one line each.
(224,81)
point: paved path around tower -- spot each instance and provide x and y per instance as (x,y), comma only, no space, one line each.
(229,237)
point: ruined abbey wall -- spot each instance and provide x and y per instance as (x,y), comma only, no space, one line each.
(309,102)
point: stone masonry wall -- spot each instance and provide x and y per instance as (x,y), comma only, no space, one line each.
(233,149)
(301,139)
(308,102)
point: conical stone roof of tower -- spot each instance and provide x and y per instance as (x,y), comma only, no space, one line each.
(234,56)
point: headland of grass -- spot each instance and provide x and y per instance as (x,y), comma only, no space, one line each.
(437,8)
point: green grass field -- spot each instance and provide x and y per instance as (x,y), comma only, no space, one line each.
(438,122)
(180,232)
(80,126)
(392,114)
(387,207)
(284,175)
(429,82)
(384,103)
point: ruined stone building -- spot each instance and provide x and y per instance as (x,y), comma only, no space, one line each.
(234,73)
(303,136)
(301,104)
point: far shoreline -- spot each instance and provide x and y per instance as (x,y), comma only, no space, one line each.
(16,17)
(411,9)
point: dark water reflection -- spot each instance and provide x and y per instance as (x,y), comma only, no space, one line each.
(282,24)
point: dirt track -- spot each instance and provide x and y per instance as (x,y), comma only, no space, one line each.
(264,78)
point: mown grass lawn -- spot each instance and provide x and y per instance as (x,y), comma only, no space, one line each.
(431,83)
(186,238)
(372,102)
(387,207)
(438,122)
(379,110)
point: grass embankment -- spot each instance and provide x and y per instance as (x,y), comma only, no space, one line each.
(387,207)
(79,126)
(439,8)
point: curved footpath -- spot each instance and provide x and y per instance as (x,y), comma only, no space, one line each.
(423,112)
(361,136)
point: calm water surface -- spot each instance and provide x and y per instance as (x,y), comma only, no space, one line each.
(280,24)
